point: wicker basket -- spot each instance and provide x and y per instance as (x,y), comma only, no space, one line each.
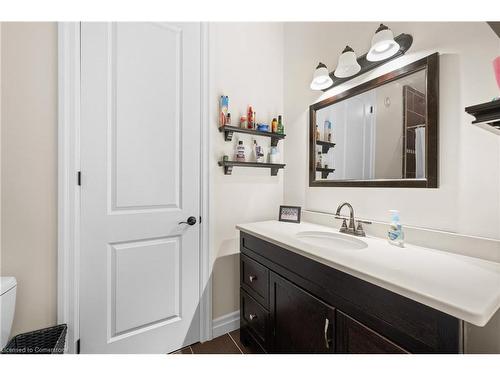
(44,341)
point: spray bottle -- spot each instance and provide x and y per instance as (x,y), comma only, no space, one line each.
(395,235)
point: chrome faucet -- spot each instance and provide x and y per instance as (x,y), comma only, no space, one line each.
(352,228)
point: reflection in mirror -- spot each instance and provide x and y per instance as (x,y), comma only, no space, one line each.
(378,134)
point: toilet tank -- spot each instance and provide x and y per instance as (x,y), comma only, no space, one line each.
(8,286)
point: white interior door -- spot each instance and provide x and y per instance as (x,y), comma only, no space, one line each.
(140,162)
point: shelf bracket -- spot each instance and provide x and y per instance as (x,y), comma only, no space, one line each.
(274,171)
(274,141)
(324,174)
(228,135)
(324,149)
(228,169)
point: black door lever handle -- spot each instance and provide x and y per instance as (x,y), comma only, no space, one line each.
(191,220)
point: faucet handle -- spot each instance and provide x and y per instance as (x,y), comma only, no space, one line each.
(363,221)
(343,228)
(359,230)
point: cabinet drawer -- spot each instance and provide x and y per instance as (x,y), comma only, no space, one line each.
(255,279)
(355,338)
(254,316)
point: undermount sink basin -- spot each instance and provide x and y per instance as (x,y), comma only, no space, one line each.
(330,240)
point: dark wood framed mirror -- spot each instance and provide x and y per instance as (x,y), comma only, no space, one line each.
(381,133)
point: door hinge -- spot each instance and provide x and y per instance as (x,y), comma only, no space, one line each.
(78,346)
(200,220)
(79,178)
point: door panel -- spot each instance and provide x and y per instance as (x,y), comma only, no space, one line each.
(301,323)
(140,161)
(146,86)
(156,298)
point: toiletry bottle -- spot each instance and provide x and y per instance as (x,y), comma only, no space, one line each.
(250,118)
(319,160)
(274,155)
(259,153)
(274,125)
(243,122)
(222,117)
(240,151)
(281,128)
(223,107)
(228,119)
(328,131)
(317,133)
(395,235)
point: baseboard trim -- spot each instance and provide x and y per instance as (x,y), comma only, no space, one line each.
(225,324)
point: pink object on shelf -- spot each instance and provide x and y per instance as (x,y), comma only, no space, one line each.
(496,69)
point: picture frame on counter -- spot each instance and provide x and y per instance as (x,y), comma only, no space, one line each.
(289,214)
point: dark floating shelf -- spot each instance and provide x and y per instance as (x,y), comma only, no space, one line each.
(487,115)
(324,171)
(325,146)
(228,166)
(229,130)
(404,40)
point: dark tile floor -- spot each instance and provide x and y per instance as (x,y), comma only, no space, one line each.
(229,343)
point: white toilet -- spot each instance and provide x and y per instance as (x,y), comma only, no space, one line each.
(8,286)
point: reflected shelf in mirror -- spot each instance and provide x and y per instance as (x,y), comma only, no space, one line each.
(325,146)
(325,171)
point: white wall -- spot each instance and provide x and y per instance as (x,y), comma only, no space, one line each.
(467,200)
(246,63)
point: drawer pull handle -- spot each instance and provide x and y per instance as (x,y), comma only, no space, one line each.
(327,340)
(252,316)
(252,278)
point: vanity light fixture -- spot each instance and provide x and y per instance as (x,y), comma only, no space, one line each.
(348,64)
(383,44)
(385,47)
(321,79)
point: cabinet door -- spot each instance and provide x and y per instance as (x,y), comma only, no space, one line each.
(300,323)
(353,337)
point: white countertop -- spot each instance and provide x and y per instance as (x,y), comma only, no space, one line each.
(465,287)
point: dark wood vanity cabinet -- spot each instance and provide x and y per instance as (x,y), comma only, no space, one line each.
(292,304)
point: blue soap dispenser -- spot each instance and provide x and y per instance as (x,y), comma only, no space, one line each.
(395,235)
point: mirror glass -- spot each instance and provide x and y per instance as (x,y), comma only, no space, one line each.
(377,134)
